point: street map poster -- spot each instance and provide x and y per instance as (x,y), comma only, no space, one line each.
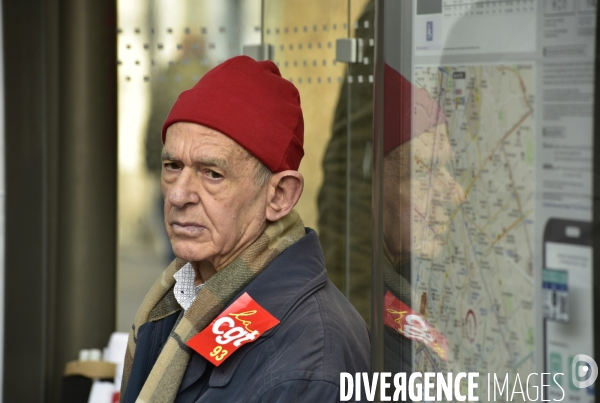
(510,285)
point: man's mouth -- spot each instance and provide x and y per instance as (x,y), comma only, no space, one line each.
(186,228)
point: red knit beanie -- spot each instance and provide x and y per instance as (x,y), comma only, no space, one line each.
(251,103)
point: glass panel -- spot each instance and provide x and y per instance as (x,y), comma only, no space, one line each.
(164,47)
(303,37)
(488,190)
(360,159)
(396,187)
(346,191)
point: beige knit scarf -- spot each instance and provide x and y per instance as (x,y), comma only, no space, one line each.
(166,375)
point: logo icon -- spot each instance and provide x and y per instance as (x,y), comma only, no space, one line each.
(585,368)
(429,31)
(242,322)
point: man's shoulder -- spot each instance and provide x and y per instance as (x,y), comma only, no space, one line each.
(319,337)
(346,333)
(315,305)
(324,310)
(296,290)
(322,334)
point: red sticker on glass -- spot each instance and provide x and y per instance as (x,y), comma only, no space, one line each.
(243,322)
(413,326)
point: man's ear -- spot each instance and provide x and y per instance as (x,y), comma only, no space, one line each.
(285,188)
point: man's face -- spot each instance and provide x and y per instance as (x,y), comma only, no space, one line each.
(420,195)
(213,207)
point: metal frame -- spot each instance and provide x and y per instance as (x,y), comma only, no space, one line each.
(377,225)
(61,108)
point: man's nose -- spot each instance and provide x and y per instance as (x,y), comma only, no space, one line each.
(183,191)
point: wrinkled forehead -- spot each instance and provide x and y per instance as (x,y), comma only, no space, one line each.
(201,141)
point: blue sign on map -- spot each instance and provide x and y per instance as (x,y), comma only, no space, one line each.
(429,31)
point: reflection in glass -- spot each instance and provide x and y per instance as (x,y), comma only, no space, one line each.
(303,35)
(344,201)
(419,196)
(459,192)
(479,276)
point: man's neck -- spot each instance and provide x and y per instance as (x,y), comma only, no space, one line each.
(204,270)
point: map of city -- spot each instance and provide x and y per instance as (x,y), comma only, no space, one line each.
(477,289)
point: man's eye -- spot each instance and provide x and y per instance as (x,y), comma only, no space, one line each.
(214,175)
(170,166)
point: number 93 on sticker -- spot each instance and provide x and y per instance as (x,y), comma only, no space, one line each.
(242,322)
(219,353)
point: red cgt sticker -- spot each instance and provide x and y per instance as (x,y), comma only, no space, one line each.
(413,326)
(243,322)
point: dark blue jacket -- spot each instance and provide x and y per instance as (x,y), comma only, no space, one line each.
(299,360)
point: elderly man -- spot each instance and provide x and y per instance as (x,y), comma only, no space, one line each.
(245,312)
